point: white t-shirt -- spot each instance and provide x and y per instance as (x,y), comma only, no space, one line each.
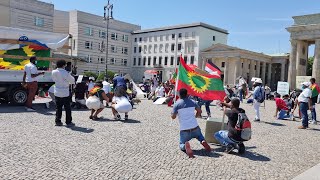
(122,104)
(30,69)
(160,91)
(62,80)
(305,95)
(106,87)
(51,89)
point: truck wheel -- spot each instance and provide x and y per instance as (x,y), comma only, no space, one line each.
(18,96)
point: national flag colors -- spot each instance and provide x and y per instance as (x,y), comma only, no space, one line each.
(315,90)
(206,86)
(212,68)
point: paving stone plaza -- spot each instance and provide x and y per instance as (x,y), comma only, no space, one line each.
(146,147)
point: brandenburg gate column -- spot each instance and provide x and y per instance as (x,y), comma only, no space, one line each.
(269,74)
(258,69)
(316,61)
(283,68)
(251,71)
(292,64)
(225,71)
(263,74)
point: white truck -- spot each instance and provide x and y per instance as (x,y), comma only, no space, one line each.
(11,75)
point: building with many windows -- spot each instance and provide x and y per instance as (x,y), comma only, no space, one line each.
(89,40)
(160,48)
(27,14)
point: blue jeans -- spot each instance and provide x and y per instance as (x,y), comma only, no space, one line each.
(241,94)
(313,113)
(223,138)
(283,114)
(304,112)
(207,105)
(188,135)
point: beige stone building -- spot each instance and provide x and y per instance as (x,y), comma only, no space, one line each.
(235,62)
(89,40)
(27,14)
(304,32)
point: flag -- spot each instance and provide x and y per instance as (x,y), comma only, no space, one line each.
(174,77)
(315,90)
(206,86)
(212,68)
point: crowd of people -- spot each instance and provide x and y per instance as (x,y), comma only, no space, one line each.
(120,92)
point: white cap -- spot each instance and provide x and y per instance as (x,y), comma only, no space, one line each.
(91,78)
(305,84)
(115,75)
(258,81)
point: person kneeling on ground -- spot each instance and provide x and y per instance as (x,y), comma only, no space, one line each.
(189,127)
(231,138)
(99,92)
(281,108)
(120,104)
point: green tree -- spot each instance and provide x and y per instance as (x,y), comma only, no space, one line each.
(102,75)
(309,66)
(91,74)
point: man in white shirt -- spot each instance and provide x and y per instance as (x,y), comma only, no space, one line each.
(62,81)
(160,92)
(305,103)
(30,80)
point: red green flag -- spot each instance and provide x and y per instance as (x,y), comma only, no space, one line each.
(205,86)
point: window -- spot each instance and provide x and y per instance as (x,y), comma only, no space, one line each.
(167,48)
(89,59)
(145,39)
(125,38)
(140,39)
(101,60)
(185,59)
(38,21)
(144,61)
(114,36)
(134,61)
(140,49)
(134,49)
(149,49)
(255,67)
(167,37)
(101,47)
(112,61)
(193,34)
(150,39)
(213,38)
(149,61)
(155,48)
(161,37)
(124,62)
(172,47)
(178,60)
(102,34)
(192,60)
(165,61)
(113,49)
(88,45)
(155,38)
(139,61)
(145,49)
(135,39)
(171,60)
(160,48)
(179,47)
(88,31)
(74,44)
(173,36)
(180,35)
(186,34)
(160,60)
(124,50)
(154,61)
(223,64)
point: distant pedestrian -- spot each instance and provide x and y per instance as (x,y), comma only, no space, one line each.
(119,84)
(30,81)
(184,108)
(267,91)
(107,89)
(258,98)
(62,81)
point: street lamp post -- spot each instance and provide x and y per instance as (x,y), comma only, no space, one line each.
(108,13)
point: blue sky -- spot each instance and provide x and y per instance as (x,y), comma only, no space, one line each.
(255,25)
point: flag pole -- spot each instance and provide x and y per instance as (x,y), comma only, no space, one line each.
(176,85)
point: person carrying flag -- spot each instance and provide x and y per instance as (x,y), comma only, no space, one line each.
(315,92)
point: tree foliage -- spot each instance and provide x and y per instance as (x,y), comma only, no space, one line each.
(309,66)
(99,77)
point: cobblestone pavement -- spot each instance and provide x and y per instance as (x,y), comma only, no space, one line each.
(145,147)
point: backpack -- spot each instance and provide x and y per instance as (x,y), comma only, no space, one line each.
(261,97)
(244,126)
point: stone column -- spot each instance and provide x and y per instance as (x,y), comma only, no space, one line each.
(237,69)
(263,73)
(258,70)
(292,64)
(283,69)
(269,74)
(316,61)
(252,71)
(225,71)
(302,58)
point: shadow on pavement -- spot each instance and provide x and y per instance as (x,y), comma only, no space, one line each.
(253,156)
(203,152)
(313,129)
(129,121)
(81,129)
(274,124)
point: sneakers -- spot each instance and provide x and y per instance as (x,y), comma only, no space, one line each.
(189,150)
(302,127)
(118,117)
(59,124)
(126,117)
(47,105)
(206,146)
(241,148)
(229,149)
(30,109)
(314,122)
(256,120)
(70,124)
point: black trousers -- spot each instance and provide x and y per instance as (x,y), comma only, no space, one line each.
(60,102)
